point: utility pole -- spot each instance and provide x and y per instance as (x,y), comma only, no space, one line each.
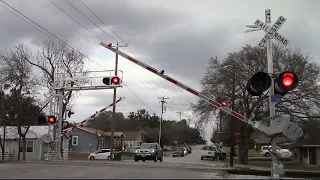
(160,128)
(179,115)
(232,119)
(114,106)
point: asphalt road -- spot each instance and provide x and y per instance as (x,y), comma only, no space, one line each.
(188,167)
(193,158)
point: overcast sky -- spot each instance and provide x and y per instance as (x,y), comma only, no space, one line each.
(178,36)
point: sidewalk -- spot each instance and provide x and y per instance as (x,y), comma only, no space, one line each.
(264,171)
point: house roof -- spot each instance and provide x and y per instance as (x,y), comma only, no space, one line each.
(100,132)
(131,135)
(34,132)
(311,138)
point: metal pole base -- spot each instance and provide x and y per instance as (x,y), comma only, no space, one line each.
(277,170)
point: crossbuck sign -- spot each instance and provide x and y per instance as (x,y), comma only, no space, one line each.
(272,32)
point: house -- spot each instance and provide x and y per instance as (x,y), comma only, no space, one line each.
(87,140)
(36,144)
(132,139)
(307,150)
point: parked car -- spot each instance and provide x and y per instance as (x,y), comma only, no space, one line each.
(185,151)
(101,154)
(149,151)
(208,152)
(178,151)
(284,153)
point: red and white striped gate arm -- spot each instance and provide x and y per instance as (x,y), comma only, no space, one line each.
(92,116)
(177,83)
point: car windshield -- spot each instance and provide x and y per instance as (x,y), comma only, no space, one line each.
(177,149)
(148,146)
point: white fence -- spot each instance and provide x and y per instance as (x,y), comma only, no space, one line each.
(7,154)
(53,153)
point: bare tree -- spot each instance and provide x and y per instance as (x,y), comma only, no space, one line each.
(301,103)
(56,57)
(19,105)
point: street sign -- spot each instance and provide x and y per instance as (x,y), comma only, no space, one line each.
(276,98)
(277,36)
(271,32)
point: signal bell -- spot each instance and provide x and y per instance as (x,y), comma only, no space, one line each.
(258,83)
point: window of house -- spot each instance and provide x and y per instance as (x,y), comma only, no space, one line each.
(102,143)
(305,152)
(29,146)
(129,143)
(75,140)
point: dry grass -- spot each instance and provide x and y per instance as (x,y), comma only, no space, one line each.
(251,153)
(78,156)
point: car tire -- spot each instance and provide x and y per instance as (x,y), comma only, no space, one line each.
(143,160)
(173,156)
(108,158)
(92,158)
(155,158)
(267,154)
(201,158)
(136,160)
(161,159)
(182,155)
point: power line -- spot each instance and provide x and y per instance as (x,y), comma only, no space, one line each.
(75,20)
(103,22)
(126,44)
(65,23)
(91,21)
(61,41)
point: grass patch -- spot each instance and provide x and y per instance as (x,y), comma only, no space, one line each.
(127,158)
(78,156)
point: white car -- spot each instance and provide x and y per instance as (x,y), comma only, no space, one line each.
(284,153)
(101,154)
(208,152)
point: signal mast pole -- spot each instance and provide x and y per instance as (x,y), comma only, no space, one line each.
(114,106)
(274,168)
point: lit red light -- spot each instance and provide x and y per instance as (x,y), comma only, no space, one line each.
(287,79)
(51,119)
(224,103)
(115,80)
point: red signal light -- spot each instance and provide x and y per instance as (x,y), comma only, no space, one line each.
(115,80)
(224,103)
(287,79)
(51,119)
(237,133)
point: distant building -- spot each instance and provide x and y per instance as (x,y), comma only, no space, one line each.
(132,139)
(35,147)
(87,140)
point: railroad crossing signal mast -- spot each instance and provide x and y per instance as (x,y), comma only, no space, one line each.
(282,122)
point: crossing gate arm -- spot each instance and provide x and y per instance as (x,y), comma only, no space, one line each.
(240,117)
(90,117)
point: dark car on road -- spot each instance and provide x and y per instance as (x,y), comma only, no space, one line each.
(178,151)
(149,151)
(189,150)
